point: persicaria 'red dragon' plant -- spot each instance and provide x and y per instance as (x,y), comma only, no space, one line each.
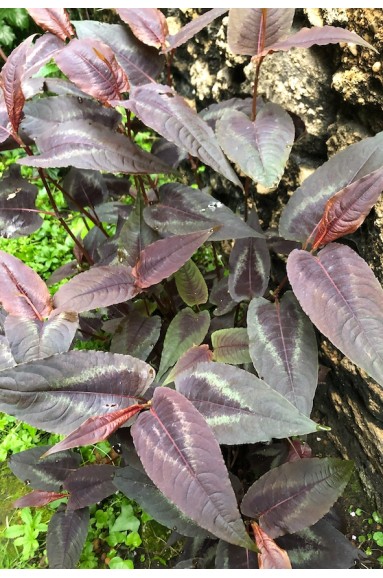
(170,391)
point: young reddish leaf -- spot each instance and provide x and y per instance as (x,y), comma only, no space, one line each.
(192,28)
(67,532)
(22,292)
(92,66)
(98,287)
(187,362)
(231,345)
(195,478)
(148,24)
(250,30)
(176,121)
(11,77)
(58,393)
(296,495)
(239,407)
(347,209)
(88,485)
(163,258)
(95,429)
(306,206)
(259,148)
(320,35)
(299,451)
(283,349)
(191,285)
(249,265)
(18,213)
(38,498)
(90,145)
(343,298)
(55,20)
(136,335)
(270,555)
(186,329)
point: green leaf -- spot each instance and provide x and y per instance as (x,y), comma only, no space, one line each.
(231,345)
(191,285)
(14,531)
(7,36)
(126,520)
(118,563)
(133,540)
(16,17)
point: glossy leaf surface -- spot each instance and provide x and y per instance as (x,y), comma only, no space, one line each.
(88,485)
(343,298)
(37,499)
(18,213)
(192,28)
(148,24)
(270,556)
(196,354)
(136,335)
(135,235)
(6,357)
(45,48)
(55,20)
(193,476)
(296,495)
(231,345)
(191,285)
(67,532)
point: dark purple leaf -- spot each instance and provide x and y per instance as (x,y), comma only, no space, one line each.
(221,297)
(168,152)
(22,292)
(148,24)
(260,149)
(194,476)
(141,63)
(239,407)
(59,86)
(64,272)
(38,498)
(6,358)
(270,555)
(88,485)
(192,28)
(67,532)
(187,328)
(185,210)
(45,48)
(231,345)
(43,474)
(136,335)
(215,111)
(347,209)
(5,125)
(306,207)
(176,121)
(11,82)
(113,212)
(279,244)
(90,145)
(92,66)
(249,265)
(58,393)
(320,35)
(299,451)
(296,495)
(250,30)
(55,20)
(283,349)
(343,298)
(18,213)
(163,258)
(231,557)
(196,354)
(87,188)
(191,285)
(98,287)
(31,339)
(137,486)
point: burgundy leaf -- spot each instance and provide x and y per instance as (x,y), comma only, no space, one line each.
(283,349)
(192,28)
(6,357)
(270,555)
(307,37)
(59,86)
(231,345)
(298,451)
(239,407)
(31,339)
(22,292)
(11,81)
(92,66)
(55,20)
(347,209)
(87,188)
(221,297)
(214,112)
(163,258)
(148,24)
(5,125)
(306,206)
(38,498)
(249,265)
(250,30)
(18,213)
(176,121)
(98,287)
(343,298)
(64,272)
(58,393)
(88,485)
(187,362)
(259,148)
(67,532)
(230,557)
(90,145)
(136,335)
(187,328)
(141,63)
(45,48)
(191,285)
(194,476)
(168,152)
(95,429)
(296,495)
